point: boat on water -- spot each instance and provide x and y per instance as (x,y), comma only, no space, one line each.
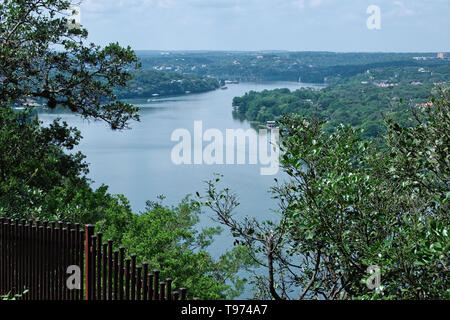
(270,125)
(231,82)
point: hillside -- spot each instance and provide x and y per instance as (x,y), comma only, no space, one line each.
(358,100)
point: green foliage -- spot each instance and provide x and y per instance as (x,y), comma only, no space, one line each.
(364,206)
(310,67)
(422,161)
(43,56)
(357,100)
(10,297)
(350,205)
(167,238)
(39,179)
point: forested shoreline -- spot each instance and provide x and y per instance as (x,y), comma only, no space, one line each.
(362,100)
(150,83)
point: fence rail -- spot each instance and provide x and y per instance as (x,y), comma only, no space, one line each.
(35,256)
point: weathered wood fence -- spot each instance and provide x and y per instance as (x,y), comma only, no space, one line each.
(36,256)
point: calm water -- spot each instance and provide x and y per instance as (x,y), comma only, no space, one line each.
(137,162)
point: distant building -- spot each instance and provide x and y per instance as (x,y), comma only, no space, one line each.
(425,105)
(271,124)
(30,103)
(385,85)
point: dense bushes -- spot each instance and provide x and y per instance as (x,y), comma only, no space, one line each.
(350,207)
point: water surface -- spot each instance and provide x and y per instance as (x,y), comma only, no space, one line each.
(137,162)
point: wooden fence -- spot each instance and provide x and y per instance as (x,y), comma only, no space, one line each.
(35,256)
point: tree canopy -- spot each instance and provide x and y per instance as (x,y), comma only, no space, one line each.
(350,207)
(44,55)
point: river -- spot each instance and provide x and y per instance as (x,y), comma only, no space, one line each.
(137,162)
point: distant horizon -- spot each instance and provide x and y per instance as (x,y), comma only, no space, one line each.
(282,50)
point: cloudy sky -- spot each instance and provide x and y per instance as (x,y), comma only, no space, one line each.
(297,25)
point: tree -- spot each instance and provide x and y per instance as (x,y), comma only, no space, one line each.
(350,207)
(169,240)
(43,56)
(39,179)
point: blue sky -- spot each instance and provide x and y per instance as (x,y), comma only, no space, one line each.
(296,25)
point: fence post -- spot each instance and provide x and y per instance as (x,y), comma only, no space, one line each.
(2,256)
(89,277)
